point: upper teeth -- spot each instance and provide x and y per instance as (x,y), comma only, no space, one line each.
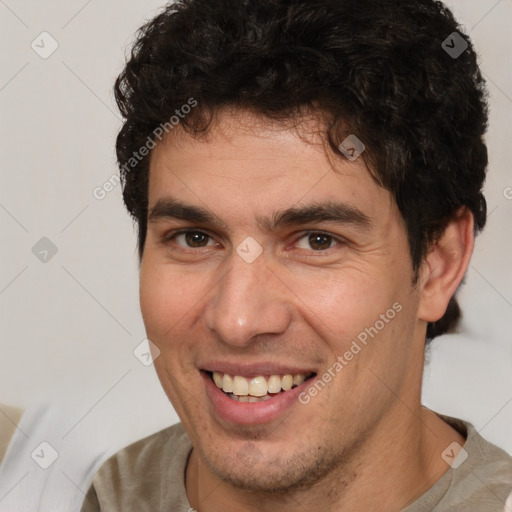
(257,386)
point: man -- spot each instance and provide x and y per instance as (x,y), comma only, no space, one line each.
(306,178)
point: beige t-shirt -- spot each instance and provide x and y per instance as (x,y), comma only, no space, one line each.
(149,475)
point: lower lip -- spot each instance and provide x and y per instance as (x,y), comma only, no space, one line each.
(251,413)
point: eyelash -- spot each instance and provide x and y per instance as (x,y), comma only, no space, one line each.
(172,235)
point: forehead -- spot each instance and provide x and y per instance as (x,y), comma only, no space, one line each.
(249,162)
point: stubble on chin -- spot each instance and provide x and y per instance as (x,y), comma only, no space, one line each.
(250,471)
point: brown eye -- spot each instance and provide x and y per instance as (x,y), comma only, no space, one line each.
(317,241)
(320,241)
(192,239)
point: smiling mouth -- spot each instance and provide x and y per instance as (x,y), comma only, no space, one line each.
(257,389)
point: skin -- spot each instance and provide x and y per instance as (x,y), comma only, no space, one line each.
(364,442)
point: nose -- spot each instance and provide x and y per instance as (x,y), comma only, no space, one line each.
(249,300)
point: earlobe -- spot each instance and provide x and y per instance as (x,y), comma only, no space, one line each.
(445,266)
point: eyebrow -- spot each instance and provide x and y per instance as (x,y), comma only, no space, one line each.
(168,208)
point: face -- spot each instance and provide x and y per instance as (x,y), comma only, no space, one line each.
(231,285)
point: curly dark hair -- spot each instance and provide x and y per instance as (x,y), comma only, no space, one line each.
(375,68)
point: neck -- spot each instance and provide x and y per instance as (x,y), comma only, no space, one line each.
(398,463)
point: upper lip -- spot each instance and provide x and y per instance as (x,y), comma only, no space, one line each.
(254,370)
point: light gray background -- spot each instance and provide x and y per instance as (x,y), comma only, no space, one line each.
(70,325)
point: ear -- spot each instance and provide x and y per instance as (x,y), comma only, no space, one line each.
(445,266)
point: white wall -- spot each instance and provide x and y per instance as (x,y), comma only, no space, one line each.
(69,325)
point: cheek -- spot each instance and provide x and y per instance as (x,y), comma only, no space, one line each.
(172,301)
(345,302)
(164,300)
(166,303)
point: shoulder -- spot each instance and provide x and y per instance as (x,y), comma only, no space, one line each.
(170,444)
(144,471)
(481,474)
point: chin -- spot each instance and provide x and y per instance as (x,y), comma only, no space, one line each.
(250,469)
